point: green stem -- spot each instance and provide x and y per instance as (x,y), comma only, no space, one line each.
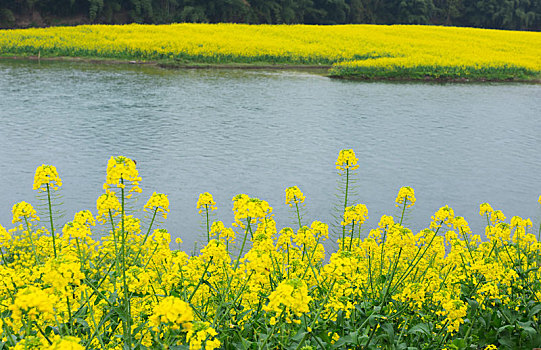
(115,241)
(51,219)
(31,240)
(437,335)
(146,235)
(539,233)
(288,266)
(298,213)
(96,333)
(208,227)
(351,238)
(126,324)
(3,257)
(69,314)
(370,337)
(403,211)
(243,243)
(201,279)
(414,263)
(80,252)
(345,206)
(316,317)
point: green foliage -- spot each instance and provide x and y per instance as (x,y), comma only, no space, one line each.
(499,14)
(438,73)
(7,19)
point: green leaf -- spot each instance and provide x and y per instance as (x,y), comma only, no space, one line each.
(298,337)
(459,343)
(508,342)
(351,338)
(505,328)
(534,310)
(420,328)
(389,330)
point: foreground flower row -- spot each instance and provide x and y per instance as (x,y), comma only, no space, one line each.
(111,280)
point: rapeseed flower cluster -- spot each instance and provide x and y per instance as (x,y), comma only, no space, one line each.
(31,303)
(107,204)
(249,209)
(290,298)
(219,230)
(173,312)
(24,211)
(115,280)
(346,160)
(201,336)
(66,343)
(205,201)
(122,171)
(80,227)
(48,176)
(294,196)
(158,202)
(356,214)
(405,195)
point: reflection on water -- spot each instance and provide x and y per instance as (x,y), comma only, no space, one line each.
(257,132)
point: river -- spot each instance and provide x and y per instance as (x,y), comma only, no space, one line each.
(258,132)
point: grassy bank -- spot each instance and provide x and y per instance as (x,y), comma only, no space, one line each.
(355,51)
(109,279)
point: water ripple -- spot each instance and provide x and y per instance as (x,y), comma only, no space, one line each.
(255,132)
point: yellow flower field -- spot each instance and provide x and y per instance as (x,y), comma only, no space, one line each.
(112,281)
(449,51)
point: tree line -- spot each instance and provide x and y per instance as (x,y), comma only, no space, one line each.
(497,14)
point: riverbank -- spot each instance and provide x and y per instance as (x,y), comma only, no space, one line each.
(325,70)
(350,51)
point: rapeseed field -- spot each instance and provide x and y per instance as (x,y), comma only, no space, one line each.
(369,51)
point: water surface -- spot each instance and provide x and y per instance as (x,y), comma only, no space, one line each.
(258,132)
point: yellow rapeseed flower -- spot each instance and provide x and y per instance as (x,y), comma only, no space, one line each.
(450,50)
(496,217)
(386,221)
(205,201)
(73,229)
(62,273)
(120,172)
(202,332)
(320,230)
(107,203)
(245,207)
(444,214)
(32,302)
(355,213)
(172,312)
(406,194)
(294,196)
(485,208)
(5,237)
(346,160)
(66,343)
(158,202)
(291,296)
(219,230)
(24,210)
(456,310)
(29,342)
(46,175)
